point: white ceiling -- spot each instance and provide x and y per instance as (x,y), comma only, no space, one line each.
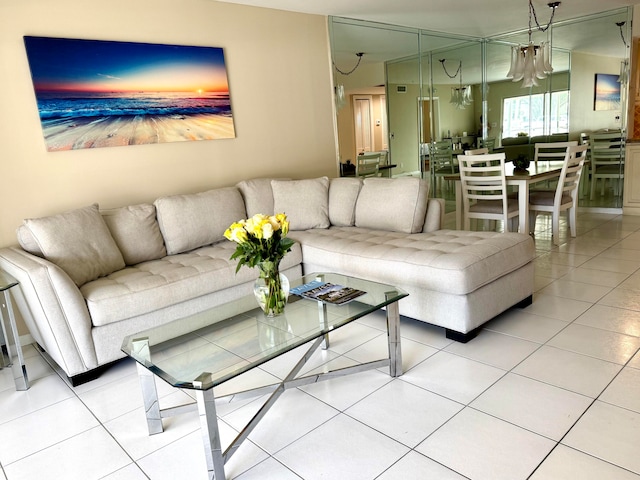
(470,18)
(477,18)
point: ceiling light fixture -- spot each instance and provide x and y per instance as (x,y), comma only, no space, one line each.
(532,62)
(339,88)
(461,95)
(623,78)
(359,55)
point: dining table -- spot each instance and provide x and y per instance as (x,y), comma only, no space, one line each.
(537,172)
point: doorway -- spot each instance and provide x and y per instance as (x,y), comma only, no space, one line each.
(363,123)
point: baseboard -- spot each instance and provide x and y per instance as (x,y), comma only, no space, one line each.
(26,340)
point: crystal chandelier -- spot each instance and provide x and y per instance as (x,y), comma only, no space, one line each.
(532,62)
(460,95)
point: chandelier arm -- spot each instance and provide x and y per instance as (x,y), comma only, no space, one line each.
(532,10)
(445,69)
(359,55)
(620,25)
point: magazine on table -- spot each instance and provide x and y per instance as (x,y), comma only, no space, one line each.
(327,292)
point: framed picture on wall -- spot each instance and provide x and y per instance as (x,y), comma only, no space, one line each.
(606,92)
(94,93)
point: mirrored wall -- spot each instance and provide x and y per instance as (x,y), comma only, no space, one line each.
(411,88)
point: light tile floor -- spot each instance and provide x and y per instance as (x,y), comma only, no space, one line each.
(551,391)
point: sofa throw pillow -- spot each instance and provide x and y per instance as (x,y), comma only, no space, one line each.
(258,195)
(27,241)
(343,194)
(191,221)
(393,204)
(306,202)
(79,242)
(136,232)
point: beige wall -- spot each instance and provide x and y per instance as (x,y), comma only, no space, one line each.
(281,93)
(583,118)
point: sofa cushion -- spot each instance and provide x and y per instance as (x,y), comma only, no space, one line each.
(449,261)
(158,284)
(79,242)
(305,202)
(191,221)
(397,205)
(27,241)
(258,195)
(136,232)
(343,194)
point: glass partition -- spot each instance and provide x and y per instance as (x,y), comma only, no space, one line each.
(403,93)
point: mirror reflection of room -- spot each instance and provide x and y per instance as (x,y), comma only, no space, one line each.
(426,87)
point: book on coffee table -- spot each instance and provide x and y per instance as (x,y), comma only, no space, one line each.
(327,292)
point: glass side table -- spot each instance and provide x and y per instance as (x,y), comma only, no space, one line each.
(11,354)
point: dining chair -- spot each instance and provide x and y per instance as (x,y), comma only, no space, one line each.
(368,164)
(564,197)
(607,160)
(441,161)
(484,190)
(477,151)
(488,143)
(553,151)
(585,139)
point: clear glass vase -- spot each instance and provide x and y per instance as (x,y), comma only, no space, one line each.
(271,289)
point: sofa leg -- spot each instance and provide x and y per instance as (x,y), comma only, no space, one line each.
(85,377)
(462,337)
(525,303)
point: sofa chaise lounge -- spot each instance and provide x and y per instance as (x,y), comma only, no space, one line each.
(91,277)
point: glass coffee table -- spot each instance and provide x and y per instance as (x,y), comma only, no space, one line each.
(205,350)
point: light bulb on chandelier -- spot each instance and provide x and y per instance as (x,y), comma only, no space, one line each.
(460,95)
(532,62)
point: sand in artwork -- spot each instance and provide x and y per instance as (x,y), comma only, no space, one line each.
(119,130)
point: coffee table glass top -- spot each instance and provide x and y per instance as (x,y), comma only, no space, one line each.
(234,337)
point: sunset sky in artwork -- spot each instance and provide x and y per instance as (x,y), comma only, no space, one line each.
(607,84)
(91,66)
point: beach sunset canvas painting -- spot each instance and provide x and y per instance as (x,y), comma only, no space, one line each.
(93,93)
(607,92)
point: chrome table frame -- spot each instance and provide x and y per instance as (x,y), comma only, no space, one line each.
(9,330)
(537,172)
(205,399)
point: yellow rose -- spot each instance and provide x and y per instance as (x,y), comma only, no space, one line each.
(236,233)
(253,226)
(275,224)
(267,230)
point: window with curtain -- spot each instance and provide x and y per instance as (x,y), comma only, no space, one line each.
(526,114)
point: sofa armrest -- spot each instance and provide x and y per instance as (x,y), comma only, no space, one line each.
(435,215)
(53,309)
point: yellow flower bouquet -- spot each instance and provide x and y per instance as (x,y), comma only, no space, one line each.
(261,241)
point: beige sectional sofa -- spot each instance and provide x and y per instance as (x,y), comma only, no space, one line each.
(91,277)
(525,145)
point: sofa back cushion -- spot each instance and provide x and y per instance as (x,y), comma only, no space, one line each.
(258,195)
(393,204)
(27,241)
(343,194)
(136,232)
(79,242)
(305,202)
(191,221)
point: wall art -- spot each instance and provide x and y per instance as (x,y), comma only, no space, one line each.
(606,92)
(94,93)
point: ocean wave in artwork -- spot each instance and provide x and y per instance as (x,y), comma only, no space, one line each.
(70,105)
(71,121)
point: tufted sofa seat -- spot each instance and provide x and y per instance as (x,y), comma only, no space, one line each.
(90,277)
(453,277)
